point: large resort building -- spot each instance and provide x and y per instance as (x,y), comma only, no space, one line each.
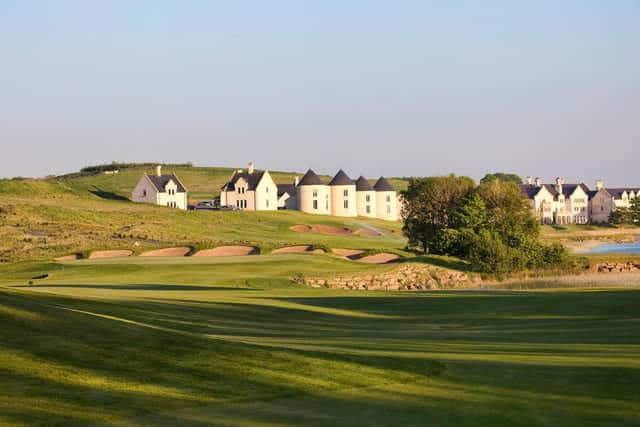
(562,203)
(342,196)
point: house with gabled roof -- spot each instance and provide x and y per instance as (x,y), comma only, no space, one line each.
(163,190)
(558,204)
(251,190)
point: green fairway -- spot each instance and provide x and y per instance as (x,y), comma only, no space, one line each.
(230,341)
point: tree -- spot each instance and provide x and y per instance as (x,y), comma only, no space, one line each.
(635,210)
(621,216)
(509,213)
(500,176)
(430,204)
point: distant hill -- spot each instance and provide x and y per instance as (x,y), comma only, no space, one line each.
(203,183)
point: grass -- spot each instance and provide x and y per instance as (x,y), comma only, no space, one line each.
(230,341)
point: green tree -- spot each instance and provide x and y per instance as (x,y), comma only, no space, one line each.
(635,210)
(621,216)
(430,204)
(509,213)
(500,176)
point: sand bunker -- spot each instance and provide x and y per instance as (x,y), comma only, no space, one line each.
(67,258)
(110,254)
(180,251)
(292,249)
(322,229)
(318,251)
(379,258)
(348,253)
(228,251)
(366,233)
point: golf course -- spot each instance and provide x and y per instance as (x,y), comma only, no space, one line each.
(237,341)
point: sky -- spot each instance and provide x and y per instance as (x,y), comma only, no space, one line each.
(394,88)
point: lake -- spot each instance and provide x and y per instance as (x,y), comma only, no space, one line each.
(627,248)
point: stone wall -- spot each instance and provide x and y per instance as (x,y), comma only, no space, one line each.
(407,277)
(614,267)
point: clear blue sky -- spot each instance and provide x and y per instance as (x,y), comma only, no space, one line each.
(375,87)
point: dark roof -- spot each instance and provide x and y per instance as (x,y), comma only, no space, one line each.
(363,184)
(617,192)
(253,179)
(568,189)
(289,189)
(531,190)
(310,178)
(161,181)
(341,178)
(383,185)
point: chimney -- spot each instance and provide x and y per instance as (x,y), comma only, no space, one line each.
(599,184)
(528,180)
(250,167)
(559,182)
(538,182)
(159,170)
(296,181)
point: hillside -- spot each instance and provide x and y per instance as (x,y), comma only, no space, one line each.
(203,183)
(44,218)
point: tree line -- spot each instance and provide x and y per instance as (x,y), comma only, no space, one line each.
(490,224)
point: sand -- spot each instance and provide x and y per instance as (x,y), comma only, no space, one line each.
(227,251)
(347,253)
(379,258)
(322,229)
(292,249)
(180,251)
(110,254)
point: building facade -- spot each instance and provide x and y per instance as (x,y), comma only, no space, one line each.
(342,196)
(563,203)
(250,190)
(162,190)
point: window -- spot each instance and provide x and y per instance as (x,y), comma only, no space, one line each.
(267,202)
(388,209)
(144,193)
(315,205)
(368,209)
(266,190)
(367,198)
(346,204)
(388,198)
(346,193)
(315,193)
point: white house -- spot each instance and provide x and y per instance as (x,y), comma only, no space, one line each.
(159,189)
(251,190)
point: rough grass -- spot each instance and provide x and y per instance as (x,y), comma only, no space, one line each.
(141,342)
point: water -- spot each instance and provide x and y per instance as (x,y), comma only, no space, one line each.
(626,248)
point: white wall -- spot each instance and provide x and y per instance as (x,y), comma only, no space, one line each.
(306,197)
(362,203)
(386,205)
(338,200)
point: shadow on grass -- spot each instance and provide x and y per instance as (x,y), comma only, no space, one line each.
(109,195)
(143,287)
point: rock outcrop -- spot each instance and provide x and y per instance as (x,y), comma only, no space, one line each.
(614,267)
(409,277)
